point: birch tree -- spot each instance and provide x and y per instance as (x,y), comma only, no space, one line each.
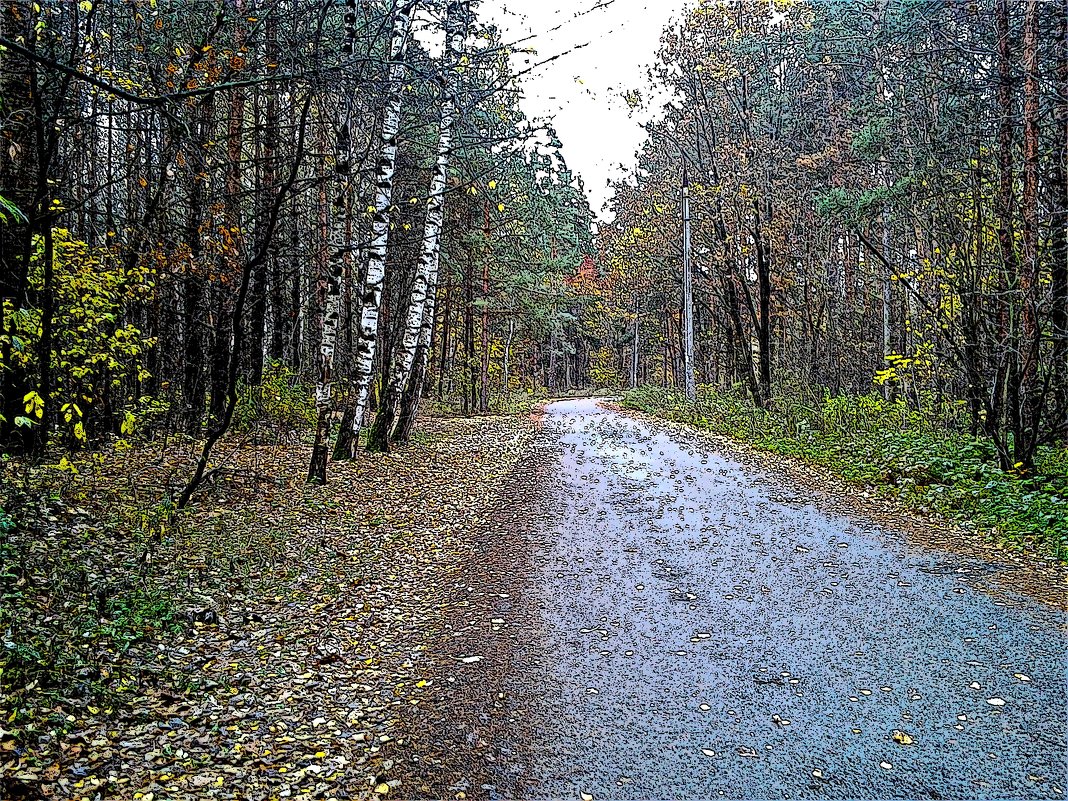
(348,438)
(420,316)
(340,243)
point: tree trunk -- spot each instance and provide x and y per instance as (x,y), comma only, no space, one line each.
(193,392)
(48,308)
(689,387)
(550,381)
(257,346)
(484,344)
(446,331)
(221,306)
(1004,389)
(275,274)
(250,266)
(635,345)
(419,323)
(506,378)
(1059,229)
(340,245)
(18,180)
(348,439)
(763,322)
(470,388)
(1029,413)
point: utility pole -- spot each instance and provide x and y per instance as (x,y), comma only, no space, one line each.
(687,293)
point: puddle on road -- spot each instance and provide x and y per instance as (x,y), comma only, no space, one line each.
(702,609)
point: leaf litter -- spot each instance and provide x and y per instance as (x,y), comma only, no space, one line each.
(307,614)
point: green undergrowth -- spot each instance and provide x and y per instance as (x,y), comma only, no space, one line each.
(97,574)
(513,402)
(881,443)
(516,401)
(281,404)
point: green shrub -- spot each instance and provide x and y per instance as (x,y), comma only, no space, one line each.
(98,361)
(279,404)
(517,402)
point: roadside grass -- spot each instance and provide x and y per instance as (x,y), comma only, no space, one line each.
(883,444)
(96,572)
(513,402)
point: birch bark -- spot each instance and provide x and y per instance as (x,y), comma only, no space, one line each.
(411,387)
(340,235)
(420,317)
(348,439)
(332,313)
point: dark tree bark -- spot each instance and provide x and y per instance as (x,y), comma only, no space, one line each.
(263,246)
(18,182)
(1059,229)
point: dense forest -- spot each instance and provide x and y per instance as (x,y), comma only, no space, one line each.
(290,287)
(204,199)
(879,194)
(200,198)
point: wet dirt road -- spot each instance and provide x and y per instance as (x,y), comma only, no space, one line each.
(703,631)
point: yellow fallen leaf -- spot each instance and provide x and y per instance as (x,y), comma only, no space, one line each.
(902,738)
(382,789)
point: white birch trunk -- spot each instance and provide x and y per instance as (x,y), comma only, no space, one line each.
(376,264)
(883,93)
(419,321)
(420,305)
(339,245)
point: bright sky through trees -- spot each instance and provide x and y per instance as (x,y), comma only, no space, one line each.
(583,90)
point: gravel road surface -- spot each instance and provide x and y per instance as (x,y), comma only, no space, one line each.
(699,630)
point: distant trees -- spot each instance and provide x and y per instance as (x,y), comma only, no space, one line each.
(264,182)
(878,195)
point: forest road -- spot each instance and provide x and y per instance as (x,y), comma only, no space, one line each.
(699,630)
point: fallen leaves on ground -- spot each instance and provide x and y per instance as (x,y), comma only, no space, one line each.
(308,615)
(901,738)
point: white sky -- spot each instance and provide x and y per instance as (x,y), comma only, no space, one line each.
(591,118)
